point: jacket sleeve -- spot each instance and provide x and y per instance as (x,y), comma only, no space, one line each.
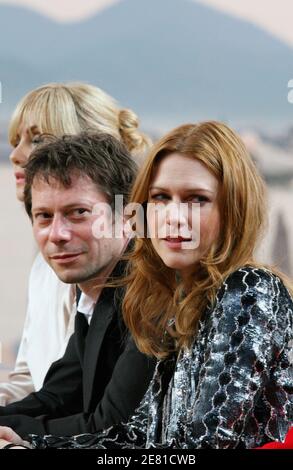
(129,381)
(130,435)
(61,395)
(248,335)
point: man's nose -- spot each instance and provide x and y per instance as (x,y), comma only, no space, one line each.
(59,230)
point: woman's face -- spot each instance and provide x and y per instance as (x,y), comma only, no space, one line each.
(182,234)
(27,137)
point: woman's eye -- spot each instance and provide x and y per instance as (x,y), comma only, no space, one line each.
(196,198)
(199,199)
(36,140)
(159,197)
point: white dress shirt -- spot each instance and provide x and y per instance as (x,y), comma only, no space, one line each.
(86,306)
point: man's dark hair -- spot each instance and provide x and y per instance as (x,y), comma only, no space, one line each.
(101,157)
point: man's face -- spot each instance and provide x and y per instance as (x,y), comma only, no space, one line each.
(62,225)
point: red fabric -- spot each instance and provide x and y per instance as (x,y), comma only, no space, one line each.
(287,444)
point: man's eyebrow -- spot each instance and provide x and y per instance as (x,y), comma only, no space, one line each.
(66,207)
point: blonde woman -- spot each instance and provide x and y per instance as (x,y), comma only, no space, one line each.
(56,109)
(220,325)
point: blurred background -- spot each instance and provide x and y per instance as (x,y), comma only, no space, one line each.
(171,61)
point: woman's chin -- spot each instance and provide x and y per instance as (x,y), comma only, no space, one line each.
(20,193)
(177,264)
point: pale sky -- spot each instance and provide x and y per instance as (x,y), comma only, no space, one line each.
(276,16)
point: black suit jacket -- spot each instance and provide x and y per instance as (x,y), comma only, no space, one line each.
(99,381)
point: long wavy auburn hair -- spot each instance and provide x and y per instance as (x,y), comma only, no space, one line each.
(154,297)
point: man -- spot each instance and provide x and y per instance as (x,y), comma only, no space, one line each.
(102,376)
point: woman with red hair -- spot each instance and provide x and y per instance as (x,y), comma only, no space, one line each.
(220,324)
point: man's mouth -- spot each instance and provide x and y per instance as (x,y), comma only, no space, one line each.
(65,257)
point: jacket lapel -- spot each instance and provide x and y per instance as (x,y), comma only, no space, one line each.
(81,328)
(101,319)
(102,316)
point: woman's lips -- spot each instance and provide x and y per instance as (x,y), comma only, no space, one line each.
(20,177)
(176,242)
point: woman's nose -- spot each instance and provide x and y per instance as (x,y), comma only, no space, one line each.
(177,213)
(18,156)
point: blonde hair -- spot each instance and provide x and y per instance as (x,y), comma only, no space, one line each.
(153,294)
(70,108)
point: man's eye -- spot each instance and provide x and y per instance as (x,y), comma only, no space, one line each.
(42,216)
(79,212)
